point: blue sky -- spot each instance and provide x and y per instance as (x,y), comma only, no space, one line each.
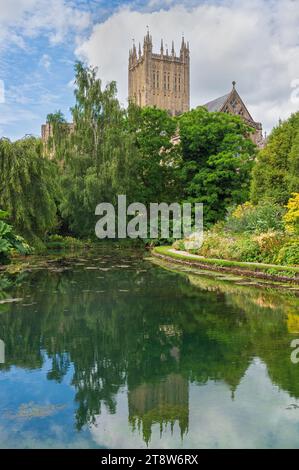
(37,74)
(253,42)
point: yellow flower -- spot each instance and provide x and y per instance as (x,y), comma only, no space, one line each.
(293,323)
(291,218)
(241,209)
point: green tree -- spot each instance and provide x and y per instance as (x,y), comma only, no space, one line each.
(112,151)
(96,145)
(217,160)
(28,187)
(57,144)
(96,113)
(276,172)
(154,159)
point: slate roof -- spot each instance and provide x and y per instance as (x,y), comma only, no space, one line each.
(216,105)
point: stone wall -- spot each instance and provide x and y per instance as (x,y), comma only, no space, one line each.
(161,80)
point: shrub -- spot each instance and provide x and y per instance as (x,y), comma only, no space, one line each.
(60,242)
(291,218)
(270,244)
(216,245)
(246,249)
(255,219)
(179,245)
(9,241)
(289,253)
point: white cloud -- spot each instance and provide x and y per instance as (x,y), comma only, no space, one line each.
(159,3)
(2,92)
(9,116)
(21,19)
(253,42)
(45,61)
(215,420)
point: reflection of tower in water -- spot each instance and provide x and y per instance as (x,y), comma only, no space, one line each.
(163,403)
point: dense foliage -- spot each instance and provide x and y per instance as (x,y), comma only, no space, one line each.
(276,173)
(247,218)
(253,234)
(291,218)
(112,151)
(264,229)
(9,241)
(52,190)
(28,187)
(218,158)
(94,147)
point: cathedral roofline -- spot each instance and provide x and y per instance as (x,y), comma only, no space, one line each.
(232,103)
(220,103)
(217,104)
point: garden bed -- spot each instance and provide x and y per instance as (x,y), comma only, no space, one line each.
(257,270)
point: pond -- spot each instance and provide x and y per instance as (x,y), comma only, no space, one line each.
(111,350)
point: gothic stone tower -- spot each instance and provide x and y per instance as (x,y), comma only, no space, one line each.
(161,80)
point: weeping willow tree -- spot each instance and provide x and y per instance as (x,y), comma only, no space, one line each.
(28,187)
(111,151)
(98,147)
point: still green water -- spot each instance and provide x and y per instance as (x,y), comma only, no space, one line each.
(115,351)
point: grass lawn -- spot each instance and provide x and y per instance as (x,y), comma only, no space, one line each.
(269,269)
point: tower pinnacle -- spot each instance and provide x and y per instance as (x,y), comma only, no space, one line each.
(172,48)
(160,79)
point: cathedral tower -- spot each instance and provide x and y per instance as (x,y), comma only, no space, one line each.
(161,80)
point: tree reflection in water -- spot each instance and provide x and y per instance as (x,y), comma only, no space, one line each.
(130,323)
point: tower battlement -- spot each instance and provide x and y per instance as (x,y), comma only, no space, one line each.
(161,80)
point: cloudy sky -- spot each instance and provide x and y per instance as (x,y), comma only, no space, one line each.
(255,42)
